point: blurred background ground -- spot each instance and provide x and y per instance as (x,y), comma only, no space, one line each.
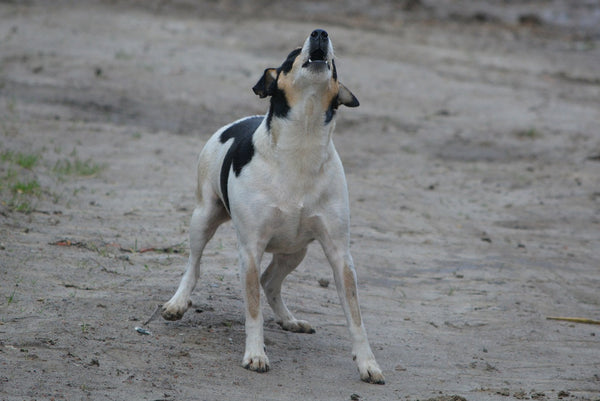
(474,171)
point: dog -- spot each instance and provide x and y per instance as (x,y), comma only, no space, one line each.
(279,178)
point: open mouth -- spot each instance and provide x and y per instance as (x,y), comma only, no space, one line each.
(317,57)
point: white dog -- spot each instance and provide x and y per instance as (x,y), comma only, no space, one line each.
(280,180)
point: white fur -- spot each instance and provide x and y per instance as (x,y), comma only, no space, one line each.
(292,192)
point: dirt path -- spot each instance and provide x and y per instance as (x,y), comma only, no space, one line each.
(474,173)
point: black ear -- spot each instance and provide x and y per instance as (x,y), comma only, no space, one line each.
(346,97)
(263,87)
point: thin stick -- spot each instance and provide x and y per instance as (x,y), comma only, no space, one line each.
(154,315)
(574,319)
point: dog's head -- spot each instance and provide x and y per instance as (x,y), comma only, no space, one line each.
(309,70)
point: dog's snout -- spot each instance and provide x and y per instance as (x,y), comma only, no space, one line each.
(317,49)
(318,45)
(319,34)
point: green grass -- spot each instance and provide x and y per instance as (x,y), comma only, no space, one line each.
(6,156)
(530,133)
(10,299)
(30,187)
(77,167)
(123,55)
(21,204)
(27,161)
(22,193)
(20,189)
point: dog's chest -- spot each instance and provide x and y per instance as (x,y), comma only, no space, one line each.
(293,178)
(296,195)
(292,227)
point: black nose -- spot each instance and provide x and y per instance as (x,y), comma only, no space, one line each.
(319,34)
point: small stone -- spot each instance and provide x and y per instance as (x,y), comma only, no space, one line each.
(323,282)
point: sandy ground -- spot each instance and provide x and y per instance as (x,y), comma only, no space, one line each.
(474,172)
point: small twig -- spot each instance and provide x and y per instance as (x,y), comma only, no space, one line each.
(574,319)
(151,249)
(177,248)
(98,263)
(154,315)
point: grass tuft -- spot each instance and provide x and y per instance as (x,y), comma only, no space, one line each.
(27,161)
(530,133)
(78,167)
(30,187)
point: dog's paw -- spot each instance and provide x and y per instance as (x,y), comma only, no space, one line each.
(258,363)
(174,310)
(371,373)
(297,326)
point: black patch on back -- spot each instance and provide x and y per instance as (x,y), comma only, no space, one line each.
(330,112)
(240,152)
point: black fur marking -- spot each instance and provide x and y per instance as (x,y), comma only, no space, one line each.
(289,61)
(279,106)
(240,152)
(334,70)
(330,112)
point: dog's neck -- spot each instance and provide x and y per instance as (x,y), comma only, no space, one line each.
(303,136)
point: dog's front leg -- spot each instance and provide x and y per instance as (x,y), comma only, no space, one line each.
(255,357)
(339,257)
(205,220)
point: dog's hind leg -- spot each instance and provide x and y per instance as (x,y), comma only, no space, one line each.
(271,279)
(205,220)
